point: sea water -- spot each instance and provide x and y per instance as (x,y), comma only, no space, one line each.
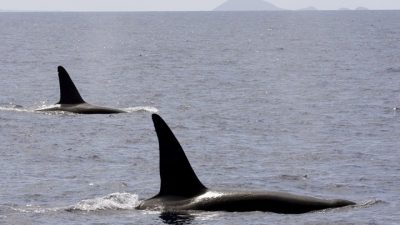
(299,102)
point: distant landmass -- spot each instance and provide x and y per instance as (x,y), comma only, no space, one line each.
(358,8)
(261,5)
(247,5)
(13,11)
(311,8)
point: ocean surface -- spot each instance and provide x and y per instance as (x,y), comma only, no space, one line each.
(299,102)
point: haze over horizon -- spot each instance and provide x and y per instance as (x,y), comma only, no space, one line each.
(183,5)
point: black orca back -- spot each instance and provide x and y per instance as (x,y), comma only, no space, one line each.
(177,175)
(69,94)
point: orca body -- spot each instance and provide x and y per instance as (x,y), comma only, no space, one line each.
(182,190)
(71,100)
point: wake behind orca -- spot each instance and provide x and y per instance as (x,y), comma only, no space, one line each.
(182,190)
(71,100)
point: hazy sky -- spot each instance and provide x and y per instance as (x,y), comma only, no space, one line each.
(181,5)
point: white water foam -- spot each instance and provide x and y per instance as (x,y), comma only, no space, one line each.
(141,108)
(114,201)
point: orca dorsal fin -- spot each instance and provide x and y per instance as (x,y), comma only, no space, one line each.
(69,94)
(177,175)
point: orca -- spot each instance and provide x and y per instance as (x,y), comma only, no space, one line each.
(182,191)
(71,100)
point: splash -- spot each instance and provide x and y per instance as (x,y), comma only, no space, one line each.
(114,201)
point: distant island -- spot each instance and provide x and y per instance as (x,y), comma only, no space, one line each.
(358,8)
(311,8)
(247,5)
(261,5)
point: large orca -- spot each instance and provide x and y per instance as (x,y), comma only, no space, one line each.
(181,189)
(71,100)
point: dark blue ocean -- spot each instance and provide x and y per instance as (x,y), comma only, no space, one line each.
(299,102)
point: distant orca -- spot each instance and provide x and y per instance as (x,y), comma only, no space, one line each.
(71,100)
(182,190)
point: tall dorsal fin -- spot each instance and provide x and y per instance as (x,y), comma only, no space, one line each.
(177,175)
(69,94)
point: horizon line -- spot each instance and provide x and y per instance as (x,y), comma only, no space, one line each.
(283,10)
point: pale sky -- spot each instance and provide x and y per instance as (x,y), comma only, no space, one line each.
(181,5)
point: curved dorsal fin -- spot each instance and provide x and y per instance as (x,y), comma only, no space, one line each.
(177,175)
(69,94)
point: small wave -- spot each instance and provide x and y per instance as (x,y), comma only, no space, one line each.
(34,209)
(293,177)
(6,108)
(114,201)
(393,70)
(141,109)
(13,107)
(19,108)
(370,202)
